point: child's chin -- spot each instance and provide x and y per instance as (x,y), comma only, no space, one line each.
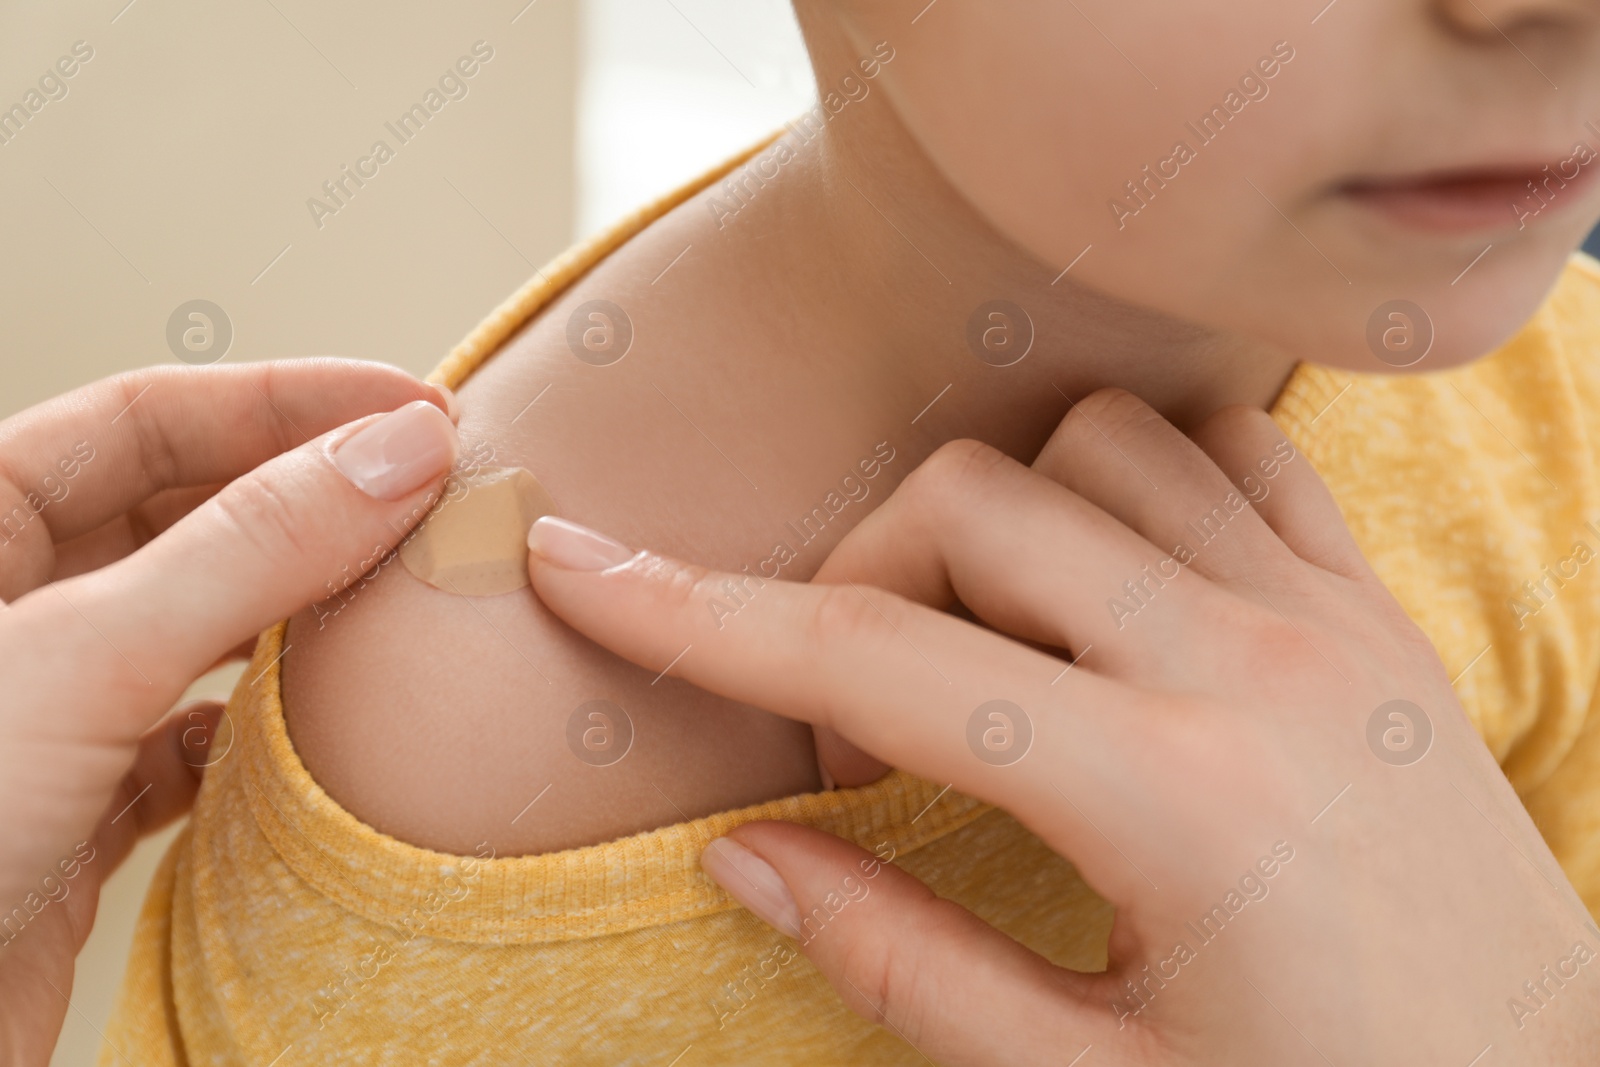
(1439,323)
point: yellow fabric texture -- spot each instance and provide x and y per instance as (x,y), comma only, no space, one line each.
(281,930)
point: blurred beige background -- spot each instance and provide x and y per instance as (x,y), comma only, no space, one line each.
(179,162)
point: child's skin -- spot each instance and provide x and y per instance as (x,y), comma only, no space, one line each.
(824,315)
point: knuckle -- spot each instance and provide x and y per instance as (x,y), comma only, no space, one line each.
(1273,646)
(865,968)
(158,461)
(1237,419)
(130,383)
(262,516)
(282,432)
(844,617)
(889,980)
(684,589)
(956,471)
(1116,413)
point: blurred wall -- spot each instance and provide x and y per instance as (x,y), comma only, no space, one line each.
(667,89)
(178,161)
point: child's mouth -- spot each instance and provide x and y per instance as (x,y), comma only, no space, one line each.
(1487,198)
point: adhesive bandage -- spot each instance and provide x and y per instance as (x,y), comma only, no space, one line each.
(475,540)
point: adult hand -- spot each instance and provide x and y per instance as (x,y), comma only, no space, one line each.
(149,525)
(1224,739)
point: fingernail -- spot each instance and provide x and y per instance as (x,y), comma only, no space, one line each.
(452,406)
(753,882)
(574,547)
(400,452)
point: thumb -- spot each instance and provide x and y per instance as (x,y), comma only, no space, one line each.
(287,534)
(952,986)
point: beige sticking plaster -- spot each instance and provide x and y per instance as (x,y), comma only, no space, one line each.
(475,540)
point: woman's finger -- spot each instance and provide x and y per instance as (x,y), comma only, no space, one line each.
(843,765)
(165,776)
(949,984)
(261,549)
(73,463)
(128,532)
(1115,451)
(1282,487)
(160,787)
(238,653)
(1026,556)
(915,687)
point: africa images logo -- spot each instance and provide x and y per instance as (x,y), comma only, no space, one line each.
(453,84)
(1542,194)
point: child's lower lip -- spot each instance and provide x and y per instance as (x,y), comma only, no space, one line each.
(1474,200)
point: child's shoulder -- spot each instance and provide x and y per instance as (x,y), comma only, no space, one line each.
(438,718)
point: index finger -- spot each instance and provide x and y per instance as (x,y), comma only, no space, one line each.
(79,460)
(913,686)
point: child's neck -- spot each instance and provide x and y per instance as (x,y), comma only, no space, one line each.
(902,263)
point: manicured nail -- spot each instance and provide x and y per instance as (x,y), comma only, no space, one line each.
(400,452)
(574,547)
(452,406)
(753,882)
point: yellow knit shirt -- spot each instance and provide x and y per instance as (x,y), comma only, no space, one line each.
(281,930)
